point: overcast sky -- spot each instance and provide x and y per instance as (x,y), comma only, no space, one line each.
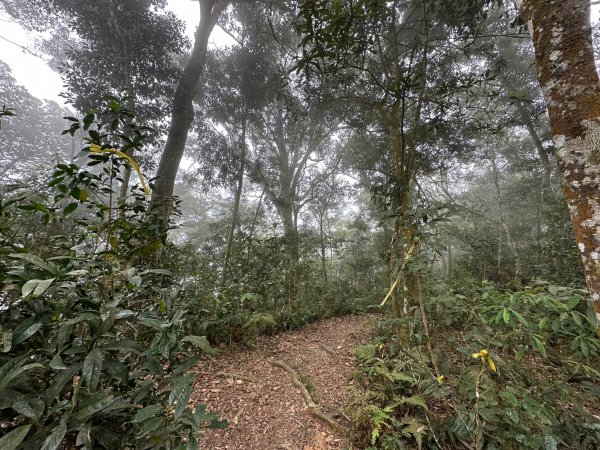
(32,71)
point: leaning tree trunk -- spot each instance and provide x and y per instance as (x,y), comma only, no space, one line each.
(182,115)
(562,39)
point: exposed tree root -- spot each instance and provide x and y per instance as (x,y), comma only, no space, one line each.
(333,352)
(312,406)
(328,349)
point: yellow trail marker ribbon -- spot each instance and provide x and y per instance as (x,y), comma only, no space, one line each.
(95,148)
(485,356)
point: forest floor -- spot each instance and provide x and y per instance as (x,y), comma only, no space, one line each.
(289,392)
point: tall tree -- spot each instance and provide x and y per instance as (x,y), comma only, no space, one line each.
(182,112)
(384,54)
(235,88)
(562,38)
(290,140)
(108,47)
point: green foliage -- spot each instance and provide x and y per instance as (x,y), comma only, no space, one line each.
(543,393)
(92,353)
(256,298)
(30,135)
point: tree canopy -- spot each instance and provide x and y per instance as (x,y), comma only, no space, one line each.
(429,165)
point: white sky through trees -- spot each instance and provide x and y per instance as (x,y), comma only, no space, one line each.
(29,68)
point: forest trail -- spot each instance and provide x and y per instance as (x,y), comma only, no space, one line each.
(265,410)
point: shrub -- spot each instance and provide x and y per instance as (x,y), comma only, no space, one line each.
(93,350)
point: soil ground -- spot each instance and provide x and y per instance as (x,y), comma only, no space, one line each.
(263,407)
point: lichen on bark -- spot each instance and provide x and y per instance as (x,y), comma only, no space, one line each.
(561,35)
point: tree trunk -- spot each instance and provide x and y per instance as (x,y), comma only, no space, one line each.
(449,262)
(537,142)
(236,203)
(512,245)
(183,112)
(397,141)
(323,256)
(290,233)
(262,194)
(126,61)
(562,39)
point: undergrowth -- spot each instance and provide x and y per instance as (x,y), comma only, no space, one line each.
(518,370)
(94,351)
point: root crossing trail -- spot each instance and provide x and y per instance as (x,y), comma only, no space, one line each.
(290,392)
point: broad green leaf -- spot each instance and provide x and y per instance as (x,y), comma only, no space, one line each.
(505,315)
(512,415)
(38,406)
(182,401)
(83,317)
(159,272)
(116,369)
(200,342)
(146,413)
(179,386)
(13,368)
(84,437)
(124,346)
(553,290)
(124,313)
(199,415)
(56,437)
(23,407)
(14,438)
(151,425)
(36,261)
(519,317)
(60,380)
(77,273)
(57,363)
(7,340)
(8,397)
(25,331)
(35,288)
(538,344)
(550,443)
(92,404)
(106,437)
(92,368)
(71,207)
(191,444)
(573,302)
(154,323)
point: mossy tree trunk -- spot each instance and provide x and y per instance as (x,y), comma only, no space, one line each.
(562,39)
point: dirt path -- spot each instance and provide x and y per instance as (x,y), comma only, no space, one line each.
(264,409)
